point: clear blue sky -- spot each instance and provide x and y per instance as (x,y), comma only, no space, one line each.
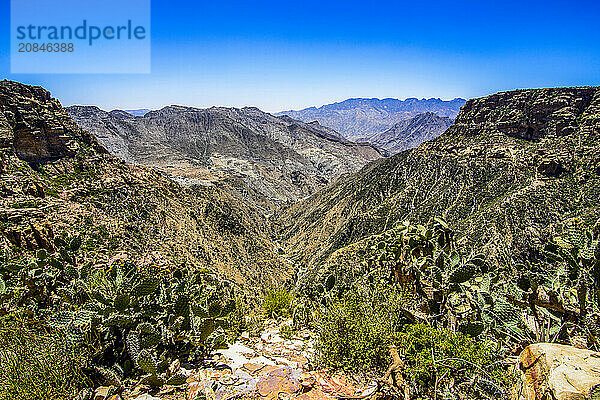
(278,55)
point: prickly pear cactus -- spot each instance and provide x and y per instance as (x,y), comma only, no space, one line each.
(131,321)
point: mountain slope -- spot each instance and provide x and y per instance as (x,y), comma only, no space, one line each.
(275,159)
(55,177)
(512,167)
(355,118)
(410,133)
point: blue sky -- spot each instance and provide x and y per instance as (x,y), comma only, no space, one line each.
(277,55)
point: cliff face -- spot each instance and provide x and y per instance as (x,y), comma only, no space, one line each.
(265,159)
(512,167)
(529,114)
(36,126)
(55,178)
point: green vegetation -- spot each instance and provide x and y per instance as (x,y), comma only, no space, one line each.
(446,362)
(277,303)
(37,363)
(25,204)
(126,322)
(354,332)
(422,294)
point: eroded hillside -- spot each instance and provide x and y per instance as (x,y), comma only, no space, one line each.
(410,133)
(255,156)
(55,177)
(512,166)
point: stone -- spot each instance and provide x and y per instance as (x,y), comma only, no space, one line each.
(549,167)
(337,383)
(558,372)
(103,392)
(315,394)
(253,367)
(277,381)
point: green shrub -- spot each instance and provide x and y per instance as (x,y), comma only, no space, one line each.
(354,332)
(288,331)
(439,358)
(277,303)
(36,363)
(246,317)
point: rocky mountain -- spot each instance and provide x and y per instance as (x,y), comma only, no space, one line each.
(410,133)
(56,178)
(507,173)
(139,112)
(356,118)
(258,156)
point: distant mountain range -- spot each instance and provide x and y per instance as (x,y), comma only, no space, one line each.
(138,113)
(359,118)
(409,133)
(260,157)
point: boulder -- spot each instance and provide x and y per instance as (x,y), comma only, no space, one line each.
(559,372)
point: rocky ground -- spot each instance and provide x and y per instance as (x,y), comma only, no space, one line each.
(269,366)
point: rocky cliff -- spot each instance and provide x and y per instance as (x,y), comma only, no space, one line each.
(356,118)
(409,133)
(55,178)
(512,167)
(264,159)
(34,126)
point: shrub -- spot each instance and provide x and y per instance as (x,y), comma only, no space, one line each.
(436,358)
(277,303)
(37,363)
(354,332)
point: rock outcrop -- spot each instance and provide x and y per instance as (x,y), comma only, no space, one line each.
(357,118)
(530,114)
(36,126)
(559,372)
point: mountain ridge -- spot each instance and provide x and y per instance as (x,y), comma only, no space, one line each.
(276,159)
(359,117)
(410,133)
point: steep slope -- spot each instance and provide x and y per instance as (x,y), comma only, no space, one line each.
(356,118)
(410,133)
(265,158)
(55,177)
(513,166)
